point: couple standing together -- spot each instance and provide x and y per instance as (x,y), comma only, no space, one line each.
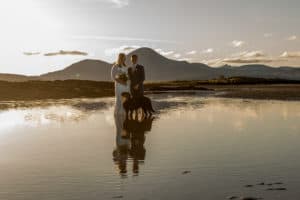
(127,79)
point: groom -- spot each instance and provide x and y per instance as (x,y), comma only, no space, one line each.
(137,78)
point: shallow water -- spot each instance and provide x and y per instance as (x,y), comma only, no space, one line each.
(195,148)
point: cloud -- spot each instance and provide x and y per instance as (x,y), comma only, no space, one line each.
(129,48)
(287,54)
(292,38)
(31,53)
(63,53)
(164,53)
(210,50)
(121,39)
(254,54)
(213,62)
(237,43)
(185,59)
(247,61)
(249,57)
(191,52)
(250,54)
(177,55)
(268,35)
(121,49)
(116,3)
(120,3)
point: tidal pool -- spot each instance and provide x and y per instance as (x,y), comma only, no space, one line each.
(194,147)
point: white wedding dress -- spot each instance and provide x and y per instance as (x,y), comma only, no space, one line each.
(119,88)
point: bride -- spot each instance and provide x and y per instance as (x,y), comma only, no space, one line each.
(118,70)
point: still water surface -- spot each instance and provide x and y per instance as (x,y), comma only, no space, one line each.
(194,148)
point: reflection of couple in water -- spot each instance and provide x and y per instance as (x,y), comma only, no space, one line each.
(130,139)
(129,94)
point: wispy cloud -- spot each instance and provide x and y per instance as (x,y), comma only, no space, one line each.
(237,43)
(247,61)
(31,53)
(250,54)
(164,53)
(287,54)
(209,50)
(292,38)
(245,57)
(116,3)
(121,49)
(213,62)
(191,52)
(121,39)
(177,55)
(63,53)
(185,59)
(249,57)
(120,3)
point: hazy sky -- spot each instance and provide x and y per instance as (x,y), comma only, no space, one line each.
(210,31)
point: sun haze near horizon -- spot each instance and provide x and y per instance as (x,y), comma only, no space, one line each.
(42,36)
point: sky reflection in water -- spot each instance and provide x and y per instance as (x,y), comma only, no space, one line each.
(79,150)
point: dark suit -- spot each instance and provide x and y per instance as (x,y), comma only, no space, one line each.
(137,78)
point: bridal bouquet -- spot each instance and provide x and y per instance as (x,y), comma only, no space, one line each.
(123,77)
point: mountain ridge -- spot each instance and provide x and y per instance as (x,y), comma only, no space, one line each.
(160,68)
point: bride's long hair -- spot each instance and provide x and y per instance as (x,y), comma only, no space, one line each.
(121,60)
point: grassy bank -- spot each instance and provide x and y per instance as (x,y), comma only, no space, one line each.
(32,90)
(237,87)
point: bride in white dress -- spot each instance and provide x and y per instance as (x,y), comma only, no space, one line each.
(121,86)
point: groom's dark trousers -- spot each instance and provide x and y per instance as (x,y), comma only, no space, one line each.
(138,78)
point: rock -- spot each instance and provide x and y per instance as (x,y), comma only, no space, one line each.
(250,198)
(118,197)
(186,172)
(232,197)
(280,189)
(276,189)
(248,186)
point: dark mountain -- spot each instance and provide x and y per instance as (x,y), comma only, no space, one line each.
(160,68)
(94,70)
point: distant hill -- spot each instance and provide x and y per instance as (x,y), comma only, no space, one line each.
(94,70)
(15,77)
(261,71)
(160,68)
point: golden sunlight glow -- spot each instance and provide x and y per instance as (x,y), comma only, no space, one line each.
(24,23)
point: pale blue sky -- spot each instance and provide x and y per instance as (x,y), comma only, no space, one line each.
(210,31)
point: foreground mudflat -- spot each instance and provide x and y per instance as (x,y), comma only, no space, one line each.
(196,147)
